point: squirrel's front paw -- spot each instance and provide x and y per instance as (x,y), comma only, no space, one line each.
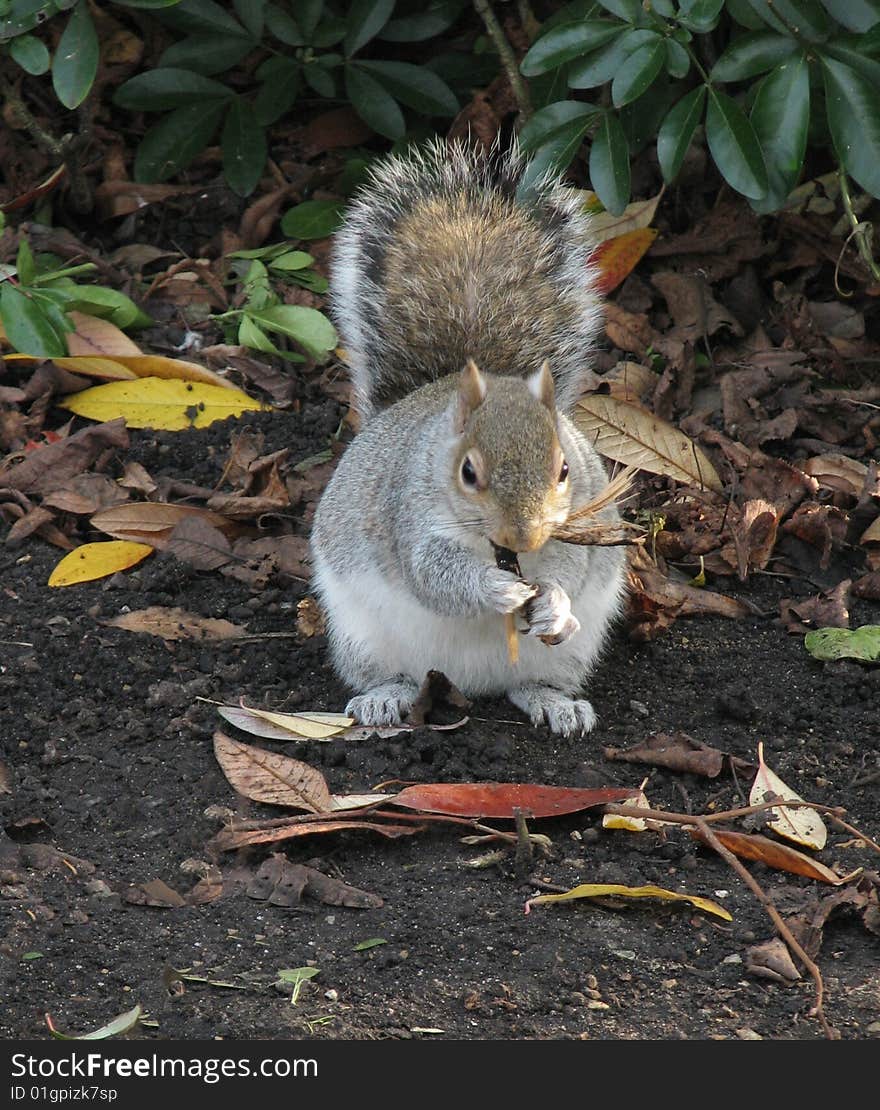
(505,593)
(549,617)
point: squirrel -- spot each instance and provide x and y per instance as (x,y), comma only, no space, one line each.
(467,307)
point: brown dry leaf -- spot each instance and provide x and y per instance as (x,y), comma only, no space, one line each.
(754,536)
(631,382)
(154,893)
(772,960)
(94,336)
(264,776)
(809,924)
(678,598)
(86,493)
(289,555)
(633,436)
(837,472)
(176,624)
(773,854)
(123,198)
(868,586)
(870,535)
(820,526)
(199,543)
(282,883)
(630,331)
(678,752)
(826,610)
(694,310)
(436,694)
(135,477)
(32,521)
(309,618)
(153,522)
(799,824)
(230,839)
(52,466)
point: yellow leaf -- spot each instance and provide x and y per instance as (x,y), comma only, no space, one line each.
(799,824)
(635,216)
(97,560)
(130,367)
(603,890)
(166,405)
(631,435)
(316,726)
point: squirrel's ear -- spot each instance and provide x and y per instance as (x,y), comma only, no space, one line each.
(471,394)
(541,385)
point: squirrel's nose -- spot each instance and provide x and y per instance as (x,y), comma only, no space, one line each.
(521,536)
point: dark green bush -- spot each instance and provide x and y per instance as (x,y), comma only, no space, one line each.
(762,77)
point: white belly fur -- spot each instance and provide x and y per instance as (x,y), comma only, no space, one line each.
(388,627)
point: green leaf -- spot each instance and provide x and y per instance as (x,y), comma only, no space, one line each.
(851,55)
(845,643)
(853,108)
(252,14)
(31,54)
(252,335)
(677,132)
(781,119)
(284,27)
(609,165)
(806,16)
(432,20)
(365,20)
(365,945)
(554,156)
(320,80)
(415,86)
(373,104)
(638,72)
(172,144)
(147,5)
(160,89)
(855,15)
(115,1028)
(700,15)
(751,54)
(291,260)
(76,58)
(24,263)
(566,42)
(630,10)
(278,93)
(203,16)
(559,119)
(308,327)
(666,8)
(313,219)
(109,304)
(244,148)
(741,12)
(678,61)
(207,54)
(734,146)
(602,64)
(27,326)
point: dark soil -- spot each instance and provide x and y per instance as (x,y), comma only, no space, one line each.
(111,756)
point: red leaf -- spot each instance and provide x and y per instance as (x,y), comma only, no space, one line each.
(616,258)
(498,799)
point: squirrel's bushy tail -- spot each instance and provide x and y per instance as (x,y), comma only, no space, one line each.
(442,257)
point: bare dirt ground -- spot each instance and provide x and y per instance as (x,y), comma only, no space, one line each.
(110,761)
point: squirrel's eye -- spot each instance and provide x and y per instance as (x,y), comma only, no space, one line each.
(563,473)
(468,474)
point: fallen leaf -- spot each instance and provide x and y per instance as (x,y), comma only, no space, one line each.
(770,852)
(115,1028)
(153,522)
(861,643)
(799,824)
(837,472)
(678,752)
(282,883)
(309,618)
(264,776)
(499,799)
(633,436)
(97,560)
(285,726)
(52,465)
(695,312)
(436,694)
(772,960)
(604,225)
(229,839)
(616,258)
(826,610)
(164,404)
(93,335)
(605,890)
(176,624)
(820,526)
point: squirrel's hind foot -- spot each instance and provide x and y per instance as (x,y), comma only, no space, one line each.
(562,714)
(387,704)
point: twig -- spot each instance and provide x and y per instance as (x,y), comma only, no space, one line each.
(862,232)
(508,60)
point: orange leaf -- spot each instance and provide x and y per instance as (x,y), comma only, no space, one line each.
(780,856)
(498,799)
(618,257)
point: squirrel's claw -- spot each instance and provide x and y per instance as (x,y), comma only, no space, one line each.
(505,593)
(549,617)
(564,715)
(387,704)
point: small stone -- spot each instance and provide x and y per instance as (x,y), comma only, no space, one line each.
(748,1035)
(640,709)
(331,995)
